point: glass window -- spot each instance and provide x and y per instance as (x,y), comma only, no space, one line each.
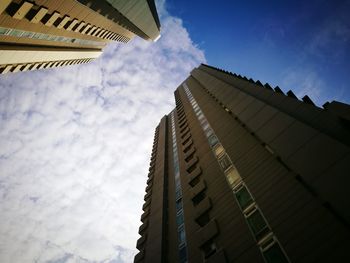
(225,162)
(198,198)
(219,150)
(182,235)
(180,218)
(183,254)
(243,197)
(27,34)
(3,31)
(208,132)
(232,176)
(178,194)
(257,224)
(205,126)
(44,36)
(200,116)
(213,140)
(178,205)
(37,35)
(209,248)
(203,219)
(275,255)
(16,33)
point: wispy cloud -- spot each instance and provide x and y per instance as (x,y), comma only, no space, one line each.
(75,146)
(305,82)
(331,41)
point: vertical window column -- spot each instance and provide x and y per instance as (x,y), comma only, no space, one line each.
(181,232)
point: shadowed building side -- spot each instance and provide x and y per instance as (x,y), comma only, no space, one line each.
(253,175)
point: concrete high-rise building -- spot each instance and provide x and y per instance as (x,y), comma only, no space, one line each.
(40,34)
(241,172)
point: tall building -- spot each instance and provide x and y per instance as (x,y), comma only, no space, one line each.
(241,172)
(40,34)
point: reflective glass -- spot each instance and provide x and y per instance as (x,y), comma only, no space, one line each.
(225,162)
(257,224)
(275,255)
(178,205)
(244,198)
(180,218)
(232,176)
(16,33)
(213,140)
(182,236)
(3,31)
(219,150)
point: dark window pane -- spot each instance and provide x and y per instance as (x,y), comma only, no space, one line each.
(183,254)
(275,255)
(178,205)
(178,193)
(209,248)
(180,219)
(182,235)
(244,198)
(213,140)
(257,224)
(198,198)
(203,219)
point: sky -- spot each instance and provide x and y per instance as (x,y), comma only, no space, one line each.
(75,142)
(299,45)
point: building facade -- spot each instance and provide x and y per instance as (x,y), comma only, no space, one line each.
(41,34)
(241,172)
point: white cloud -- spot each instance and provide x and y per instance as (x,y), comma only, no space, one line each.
(75,147)
(305,82)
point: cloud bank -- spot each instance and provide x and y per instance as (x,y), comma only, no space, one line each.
(75,147)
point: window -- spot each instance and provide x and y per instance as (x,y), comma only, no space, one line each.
(243,197)
(180,218)
(203,121)
(257,224)
(182,235)
(195,181)
(274,254)
(27,34)
(183,254)
(16,33)
(213,140)
(219,150)
(208,132)
(3,31)
(225,162)
(209,248)
(200,116)
(178,194)
(36,35)
(198,198)
(232,176)
(203,219)
(190,157)
(178,205)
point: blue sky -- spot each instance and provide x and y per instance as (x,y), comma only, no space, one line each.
(75,142)
(298,45)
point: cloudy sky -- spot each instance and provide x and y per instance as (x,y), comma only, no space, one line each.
(75,142)
(75,149)
(299,45)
